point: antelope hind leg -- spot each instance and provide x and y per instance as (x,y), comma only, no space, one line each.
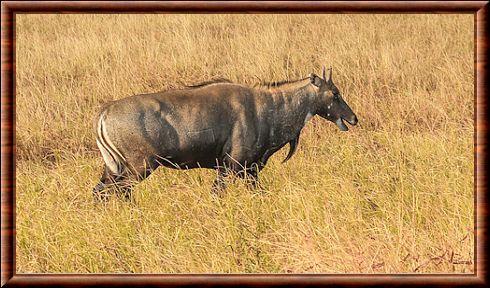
(121,184)
(101,190)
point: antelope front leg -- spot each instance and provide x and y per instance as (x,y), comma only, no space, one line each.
(251,176)
(219,184)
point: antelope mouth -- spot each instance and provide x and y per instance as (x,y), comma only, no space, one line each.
(341,124)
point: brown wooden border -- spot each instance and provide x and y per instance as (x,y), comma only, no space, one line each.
(11,279)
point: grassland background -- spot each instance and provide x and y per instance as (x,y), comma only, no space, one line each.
(394,194)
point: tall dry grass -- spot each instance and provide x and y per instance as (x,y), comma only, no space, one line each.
(394,194)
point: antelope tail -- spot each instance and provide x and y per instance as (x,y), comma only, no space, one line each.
(113,158)
(293,144)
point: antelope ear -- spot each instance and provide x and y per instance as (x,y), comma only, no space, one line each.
(315,80)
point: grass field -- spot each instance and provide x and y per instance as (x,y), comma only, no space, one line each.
(394,194)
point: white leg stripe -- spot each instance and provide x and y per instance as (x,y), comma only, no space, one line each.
(109,161)
(112,157)
(106,138)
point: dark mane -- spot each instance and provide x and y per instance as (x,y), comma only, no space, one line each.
(278,83)
(212,81)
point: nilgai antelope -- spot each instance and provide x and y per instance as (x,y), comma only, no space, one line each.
(218,125)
